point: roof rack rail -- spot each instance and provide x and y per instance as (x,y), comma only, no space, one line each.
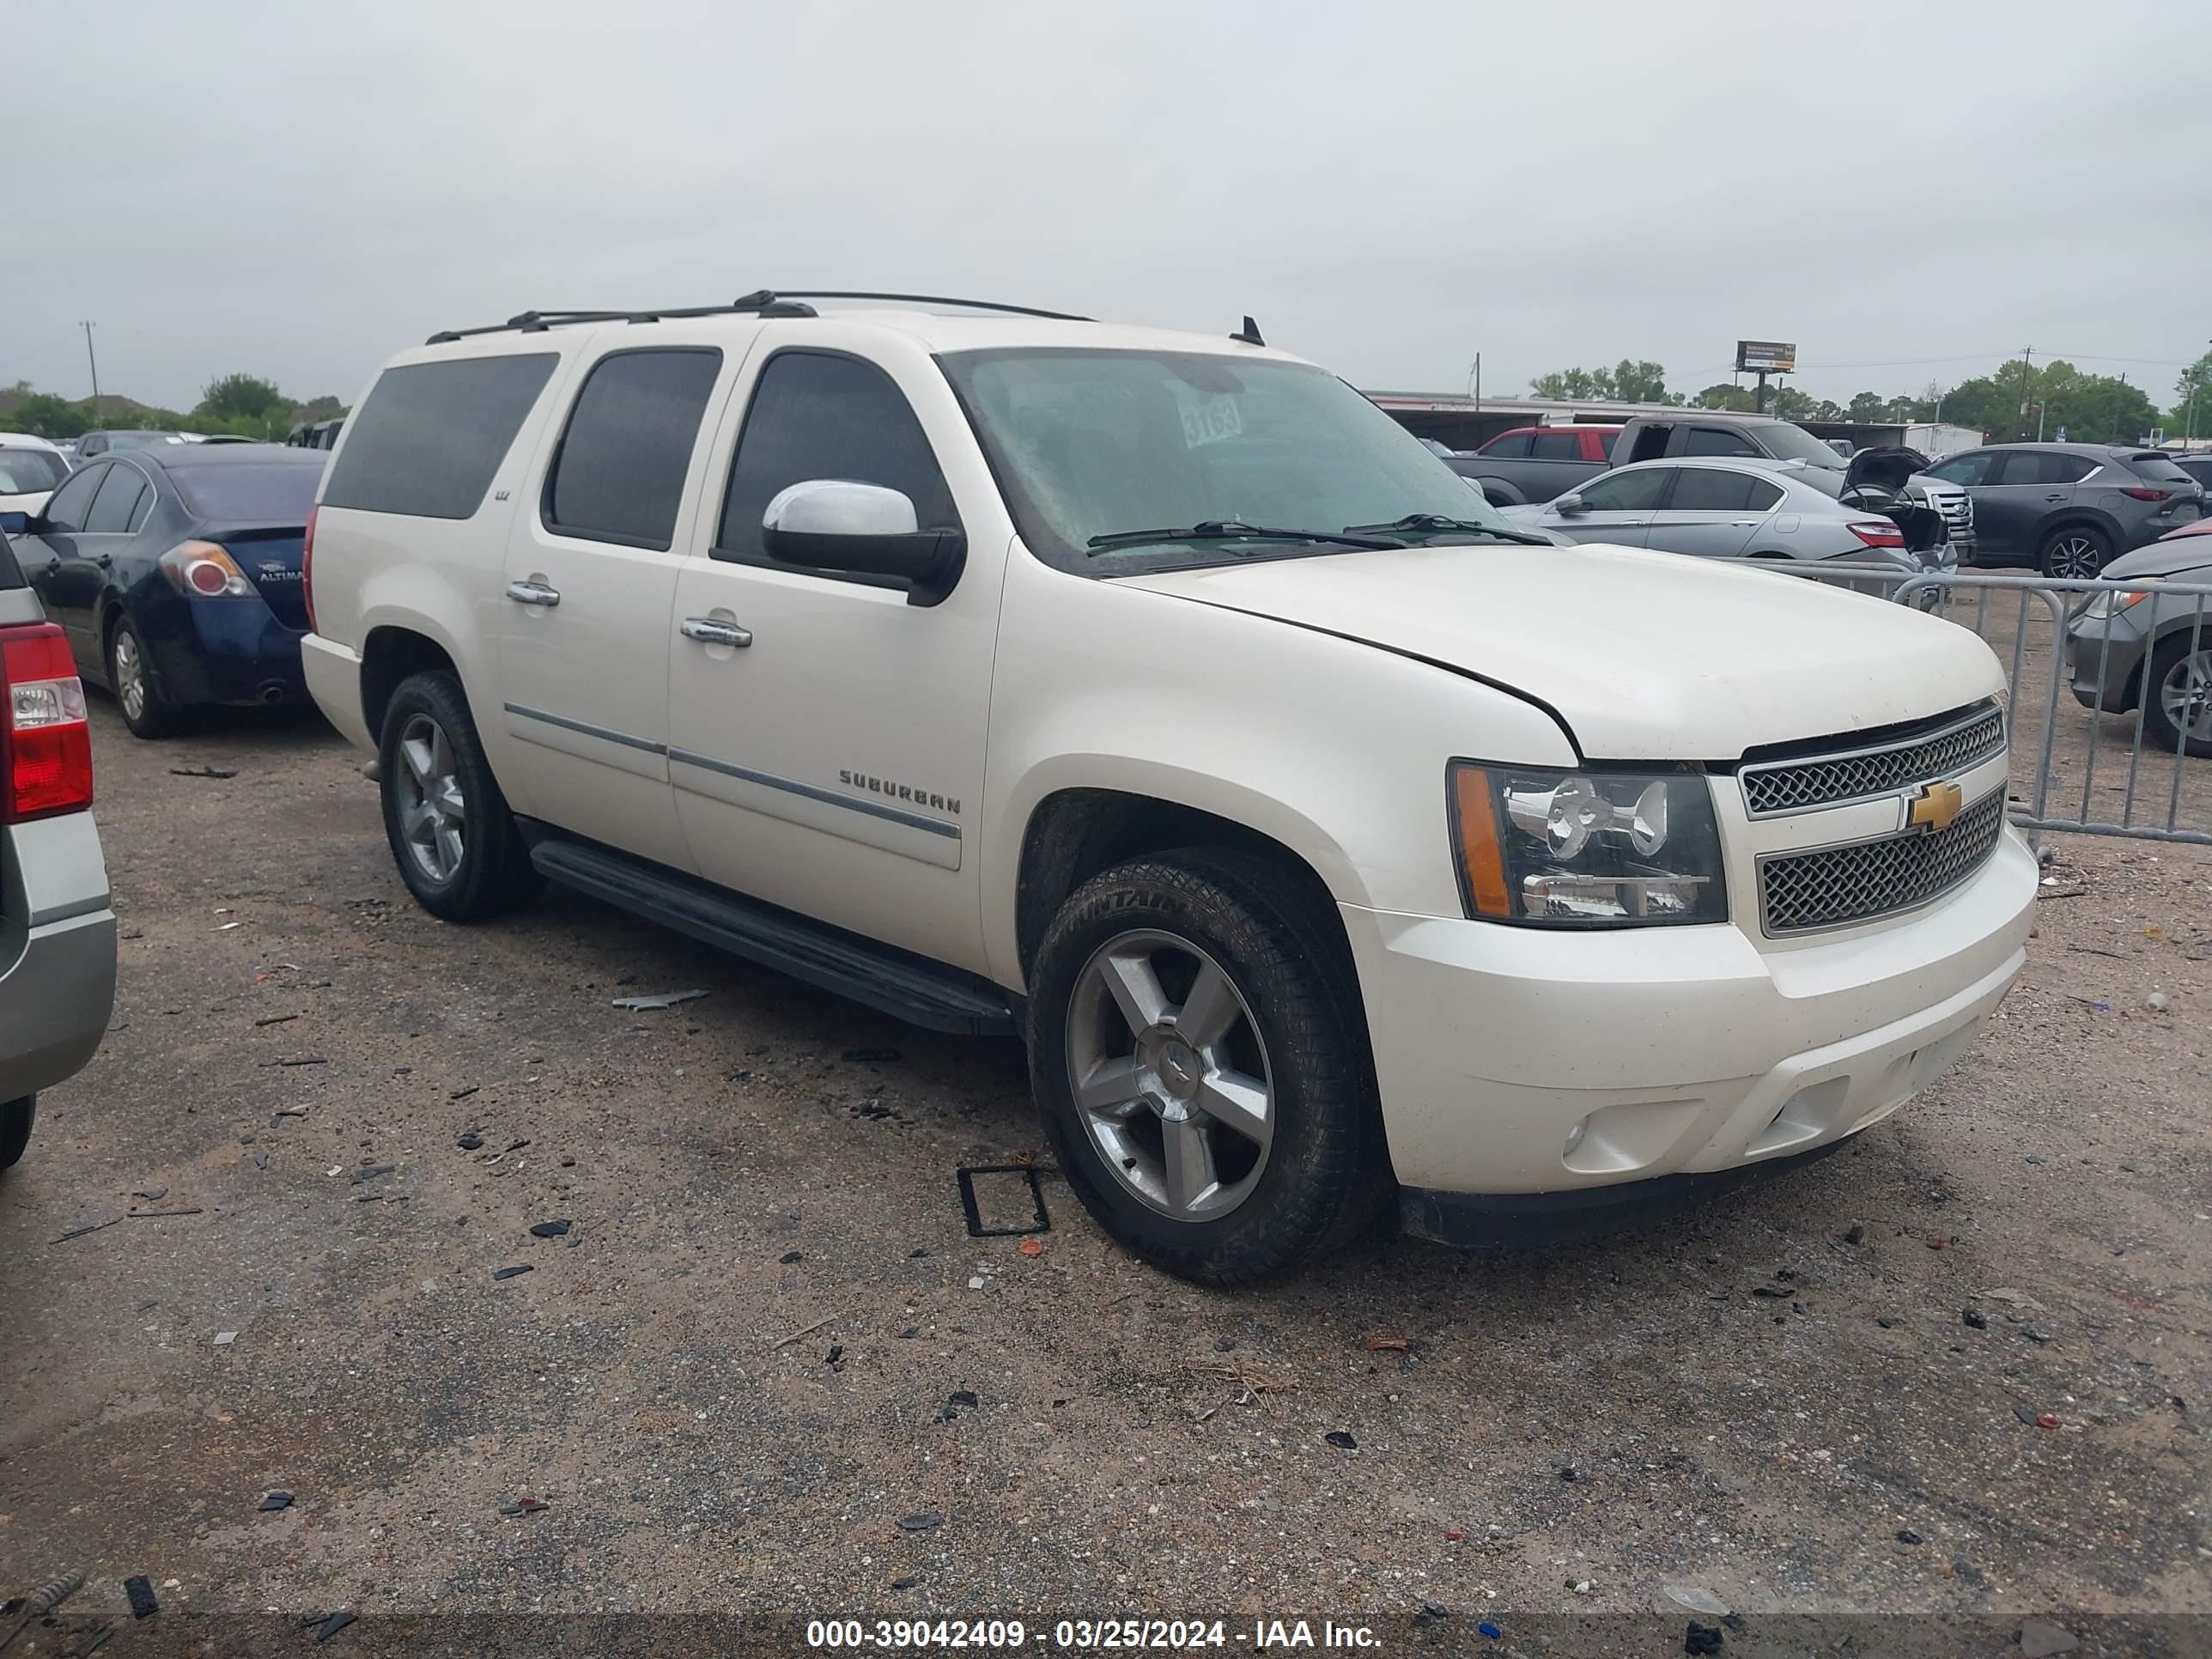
(764,302)
(934,300)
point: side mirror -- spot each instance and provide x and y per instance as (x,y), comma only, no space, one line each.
(1569,505)
(15,524)
(864,529)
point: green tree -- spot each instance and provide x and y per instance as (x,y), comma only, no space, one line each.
(2192,399)
(1565,383)
(1869,406)
(46,416)
(234,396)
(1627,381)
(1725,396)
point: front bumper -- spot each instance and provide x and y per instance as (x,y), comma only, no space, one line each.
(57,952)
(1512,1061)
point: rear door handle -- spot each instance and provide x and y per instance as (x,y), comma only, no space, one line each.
(708,631)
(2059,497)
(533,594)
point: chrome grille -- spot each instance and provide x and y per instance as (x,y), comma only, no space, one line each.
(1799,786)
(1836,886)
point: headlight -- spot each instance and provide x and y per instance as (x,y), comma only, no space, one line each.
(1586,850)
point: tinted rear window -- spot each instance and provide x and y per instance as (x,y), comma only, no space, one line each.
(619,474)
(11,574)
(272,492)
(429,436)
(27,471)
(2158,467)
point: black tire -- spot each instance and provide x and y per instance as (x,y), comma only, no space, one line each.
(1326,1175)
(2159,726)
(492,873)
(2074,552)
(132,684)
(17,1117)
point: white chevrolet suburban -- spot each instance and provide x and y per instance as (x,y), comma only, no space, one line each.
(1157,699)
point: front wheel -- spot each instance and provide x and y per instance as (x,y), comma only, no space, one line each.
(2075,552)
(17,1117)
(452,834)
(2177,710)
(1199,1057)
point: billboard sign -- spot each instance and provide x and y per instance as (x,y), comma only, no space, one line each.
(1765,356)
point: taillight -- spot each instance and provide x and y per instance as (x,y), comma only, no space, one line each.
(2146,494)
(45,747)
(308,568)
(1877,532)
(201,570)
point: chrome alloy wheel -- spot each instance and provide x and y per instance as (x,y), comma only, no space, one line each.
(2185,694)
(428,792)
(1170,1075)
(129,675)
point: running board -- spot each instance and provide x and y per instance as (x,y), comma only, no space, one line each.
(907,987)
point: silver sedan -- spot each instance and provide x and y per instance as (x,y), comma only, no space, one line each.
(1726,507)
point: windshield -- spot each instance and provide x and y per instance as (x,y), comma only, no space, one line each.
(1786,442)
(269,492)
(1088,444)
(26,472)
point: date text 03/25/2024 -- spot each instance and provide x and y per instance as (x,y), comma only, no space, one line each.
(1104,1635)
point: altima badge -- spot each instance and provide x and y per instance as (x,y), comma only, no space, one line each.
(1935,806)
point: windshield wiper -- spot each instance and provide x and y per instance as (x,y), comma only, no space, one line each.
(1416,523)
(1234,530)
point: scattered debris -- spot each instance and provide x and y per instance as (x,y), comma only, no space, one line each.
(1701,1638)
(786,1342)
(203,772)
(904,1583)
(960,1400)
(510,1273)
(2039,1639)
(371,1171)
(1855,1233)
(549,1229)
(1432,1614)
(224,1338)
(277,1019)
(1976,1319)
(79,1232)
(664,999)
(1906,1535)
(1030,1172)
(2158,1002)
(261,1160)
(2025,1415)
(1488,1629)
(921,1523)
(462,1093)
(1567,1474)
(153,1194)
(1389,1345)
(878,1054)
(326,1628)
(1772,1290)
(514,1147)
(1885,1321)
(470,1141)
(2046,1420)
(1032,1248)
(1342,1441)
(792,1258)
(306,1059)
(2097,1003)
(1693,1599)
(835,1357)
(277,1500)
(286,1111)
(156,1215)
(522,1506)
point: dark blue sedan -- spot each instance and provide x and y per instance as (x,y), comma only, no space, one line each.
(175,573)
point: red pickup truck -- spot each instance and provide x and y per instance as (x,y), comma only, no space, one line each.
(1554,443)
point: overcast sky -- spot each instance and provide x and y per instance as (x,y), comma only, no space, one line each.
(298,190)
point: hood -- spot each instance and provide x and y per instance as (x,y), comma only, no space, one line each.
(1644,656)
(2189,549)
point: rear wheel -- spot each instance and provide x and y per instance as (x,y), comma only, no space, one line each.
(2075,552)
(1200,1061)
(2177,710)
(17,1117)
(452,834)
(144,710)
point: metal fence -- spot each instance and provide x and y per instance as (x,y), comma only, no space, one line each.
(2109,691)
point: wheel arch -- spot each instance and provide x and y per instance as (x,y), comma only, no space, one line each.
(1075,833)
(389,653)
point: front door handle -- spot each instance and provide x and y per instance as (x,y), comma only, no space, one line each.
(708,631)
(533,594)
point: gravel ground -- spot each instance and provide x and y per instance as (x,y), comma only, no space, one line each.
(1958,1370)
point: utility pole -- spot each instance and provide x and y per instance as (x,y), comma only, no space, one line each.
(2189,421)
(2120,411)
(2026,383)
(94,363)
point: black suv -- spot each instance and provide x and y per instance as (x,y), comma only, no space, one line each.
(2070,508)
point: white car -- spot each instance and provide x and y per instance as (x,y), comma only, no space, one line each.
(1157,698)
(30,469)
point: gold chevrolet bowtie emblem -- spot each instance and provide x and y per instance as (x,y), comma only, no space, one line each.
(1936,805)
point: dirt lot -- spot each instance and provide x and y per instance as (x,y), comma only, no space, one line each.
(751,1358)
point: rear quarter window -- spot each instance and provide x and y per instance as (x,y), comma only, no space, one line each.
(11,574)
(428,437)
